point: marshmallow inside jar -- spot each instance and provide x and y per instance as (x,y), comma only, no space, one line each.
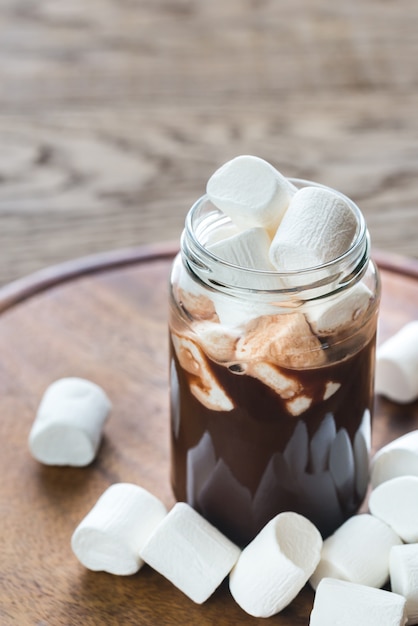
(279,353)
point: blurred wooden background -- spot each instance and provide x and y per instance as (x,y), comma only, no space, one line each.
(113,114)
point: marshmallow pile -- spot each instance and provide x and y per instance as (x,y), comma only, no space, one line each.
(128,527)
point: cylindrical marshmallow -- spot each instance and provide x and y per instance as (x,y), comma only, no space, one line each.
(397,458)
(349,604)
(250,191)
(190,552)
(396,503)
(275,566)
(248,248)
(397,365)
(318,226)
(403,566)
(326,315)
(113,533)
(68,426)
(357,552)
(249,251)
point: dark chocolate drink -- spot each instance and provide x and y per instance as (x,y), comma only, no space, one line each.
(272,370)
(241,467)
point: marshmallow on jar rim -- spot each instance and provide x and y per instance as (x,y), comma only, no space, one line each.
(397,458)
(397,365)
(250,191)
(68,425)
(318,227)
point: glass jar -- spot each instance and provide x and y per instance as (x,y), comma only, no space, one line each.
(272,379)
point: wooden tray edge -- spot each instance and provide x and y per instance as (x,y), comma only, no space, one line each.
(23,288)
(396,263)
(41,280)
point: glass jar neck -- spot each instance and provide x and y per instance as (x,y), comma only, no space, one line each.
(204,221)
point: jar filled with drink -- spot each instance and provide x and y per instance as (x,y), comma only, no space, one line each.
(273,313)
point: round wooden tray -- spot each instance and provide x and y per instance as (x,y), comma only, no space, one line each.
(104,318)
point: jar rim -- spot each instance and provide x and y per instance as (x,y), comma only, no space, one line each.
(348,266)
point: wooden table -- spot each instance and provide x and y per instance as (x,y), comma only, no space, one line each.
(104,318)
(113,114)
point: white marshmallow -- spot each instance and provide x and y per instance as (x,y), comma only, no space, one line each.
(403,566)
(349,604)
(329,314)
(396,502)
(217,341)
(397,365)
(68,426)
(318,226)
(397,458)
(285,340)
(234,311)
(298,405)
(271,376)
(112,534)
(358,552)
(190,552)
(250,191)
(204,385)
(247,249)
(274,567)
(246,261)
(221,232)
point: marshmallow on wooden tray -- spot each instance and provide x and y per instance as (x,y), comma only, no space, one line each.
(190,552)
(112,534)
(318,226)
(68,426)
(396,503)
(397,458)
(274,567)
(250,191)
(358,552)
(349,604)
(397,365)
(403,565)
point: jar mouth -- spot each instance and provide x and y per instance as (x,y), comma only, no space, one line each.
(334,275)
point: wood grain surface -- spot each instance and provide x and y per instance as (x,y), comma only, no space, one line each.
(106,320)
(114,113)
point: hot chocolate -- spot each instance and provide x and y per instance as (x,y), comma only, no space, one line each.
(271,384)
